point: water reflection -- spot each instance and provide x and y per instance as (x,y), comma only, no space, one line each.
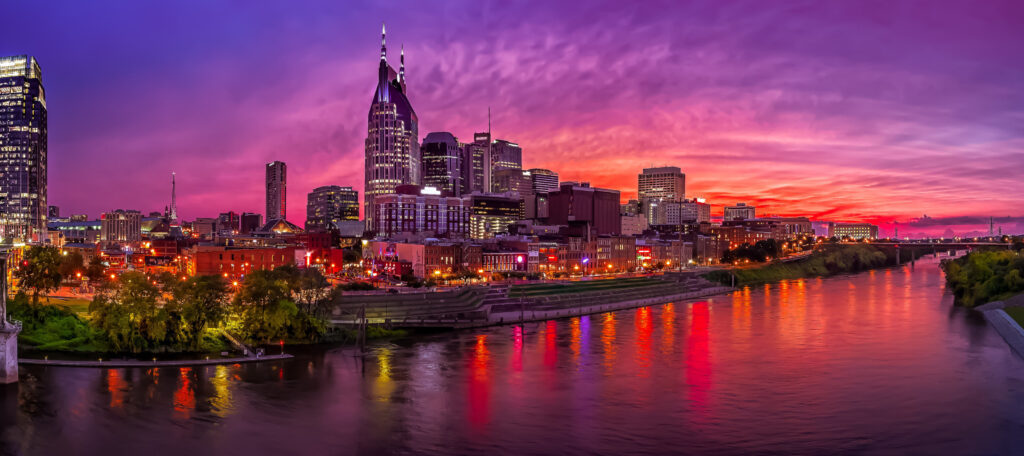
(858,364)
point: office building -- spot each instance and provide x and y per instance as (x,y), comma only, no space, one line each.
(249,222)
(421,214)
(330,204)
(392,154)
(543,180)
(667,183)
(121,226)
(277,191)
(694,211)
(229,222)
(506,155)
(578,205)
(853,230)
(442,163)
(23,155)
(739,212)
(476,164)
(515,181)
(492,214)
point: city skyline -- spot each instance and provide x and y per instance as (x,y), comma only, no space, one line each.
(841,131)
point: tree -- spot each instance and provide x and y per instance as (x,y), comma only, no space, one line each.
(263,307)
(131,315)
(39,270)
(96,270)
(71,263)
(200,302)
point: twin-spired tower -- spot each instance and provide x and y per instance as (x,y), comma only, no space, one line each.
(392,144)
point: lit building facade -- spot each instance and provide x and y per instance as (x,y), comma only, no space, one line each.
(543,180)
(121,226)
(741,211)
(694,210)
(392,152)
(330,204)
(666,183)
(514,181)
(277,191)
(580,205)
(23,153)
(476,164)
(430,214)
(853,230)
(492,215)
(506,155)
(442,163)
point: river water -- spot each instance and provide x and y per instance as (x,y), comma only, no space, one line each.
(877,363)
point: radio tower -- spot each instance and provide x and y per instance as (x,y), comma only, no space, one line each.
(173,213)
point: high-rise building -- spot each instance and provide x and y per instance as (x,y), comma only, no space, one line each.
(476,164)
(121,226)
(277,191)
(739,212)
(505,155)
(442,163)
(695,211)
(23,160)
(514,181)
(666,183)
(53,212)
(432,214)
(251,221)
(492,214)
(544,180)
(392,149)
(330,204)
(577,204)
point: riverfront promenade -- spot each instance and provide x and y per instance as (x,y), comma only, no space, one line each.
(137,363)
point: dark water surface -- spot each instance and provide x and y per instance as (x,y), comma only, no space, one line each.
(877,363)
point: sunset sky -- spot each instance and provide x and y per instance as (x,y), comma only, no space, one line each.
(841,110)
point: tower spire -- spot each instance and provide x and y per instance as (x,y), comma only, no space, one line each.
(401,66)
(383,45)
(173,212)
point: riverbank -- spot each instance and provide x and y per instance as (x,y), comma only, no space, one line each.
(116,363)
(827,261)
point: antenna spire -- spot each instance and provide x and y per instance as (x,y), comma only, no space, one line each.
(173,212)
(401,67)
(383,45)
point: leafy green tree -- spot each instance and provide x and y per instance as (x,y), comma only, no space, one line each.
(71,263)
(39,270)
(263,307)
(131,315)
(199,302)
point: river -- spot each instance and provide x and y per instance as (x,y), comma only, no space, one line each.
(877,363)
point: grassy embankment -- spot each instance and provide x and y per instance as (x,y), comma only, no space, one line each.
(827,261)
(985,276)
(525,291)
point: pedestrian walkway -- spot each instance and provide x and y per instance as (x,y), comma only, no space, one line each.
(136,363)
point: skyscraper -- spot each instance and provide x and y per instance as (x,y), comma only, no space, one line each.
(392,149)
(22,150)
(666,183)
(505,155)
(476,164)
(277,182)
(442,163)
(330,204)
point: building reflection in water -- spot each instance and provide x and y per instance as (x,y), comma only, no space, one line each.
(644,329)
(517,348)
(479,388)
(185,395)
(116,388)
(220,403)
(668,328)
(698,362)
(608,340)
(550,344)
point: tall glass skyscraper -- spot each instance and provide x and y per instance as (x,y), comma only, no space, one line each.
(442,163)
(22,150)
(392,138)
(277,191)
